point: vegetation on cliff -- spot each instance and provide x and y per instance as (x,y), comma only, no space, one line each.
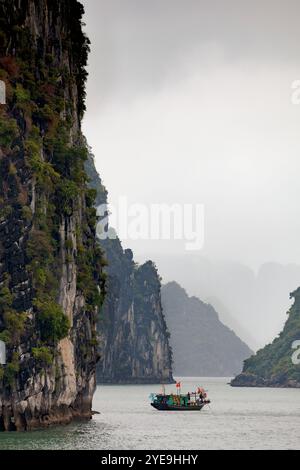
(47,214)
(273,366)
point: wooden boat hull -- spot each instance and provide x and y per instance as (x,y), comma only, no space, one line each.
(166,407)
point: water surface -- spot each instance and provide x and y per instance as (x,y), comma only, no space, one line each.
(239,418)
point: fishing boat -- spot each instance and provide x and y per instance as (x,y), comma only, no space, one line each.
(193,401)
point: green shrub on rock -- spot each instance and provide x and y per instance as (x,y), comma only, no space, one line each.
(12,368)
(43,356)
(6,298)
(52,322)
(8,132)
(15,324)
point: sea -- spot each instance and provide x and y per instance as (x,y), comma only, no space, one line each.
(237,418)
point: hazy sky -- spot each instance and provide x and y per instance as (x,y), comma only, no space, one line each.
(189,101)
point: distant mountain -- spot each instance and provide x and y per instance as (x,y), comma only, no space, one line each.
(273,366)
(229,320)
(202,345)
(251,298)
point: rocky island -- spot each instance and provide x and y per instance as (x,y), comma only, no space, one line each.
(51,281)
(274,365)
(135,345)
(53,271)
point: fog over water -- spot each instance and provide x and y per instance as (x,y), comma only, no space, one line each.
(190,102)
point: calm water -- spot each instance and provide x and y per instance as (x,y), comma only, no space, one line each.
(238,419)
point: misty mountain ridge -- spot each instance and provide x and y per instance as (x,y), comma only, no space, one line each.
(202,345)
(252,304)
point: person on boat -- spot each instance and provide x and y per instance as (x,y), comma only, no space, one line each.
(202,394)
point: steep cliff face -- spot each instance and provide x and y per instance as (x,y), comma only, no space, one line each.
(276,365)
(134,336)
(50,265)
(134,333)
(201,344)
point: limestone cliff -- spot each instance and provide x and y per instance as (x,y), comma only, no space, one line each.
(51,286)
(277,364)
(134,336)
